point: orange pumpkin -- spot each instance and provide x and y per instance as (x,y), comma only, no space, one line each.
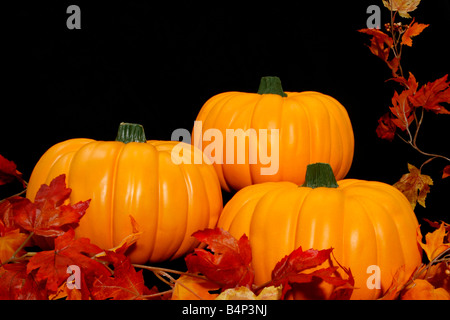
(132,176)
(312,127)
(368,223)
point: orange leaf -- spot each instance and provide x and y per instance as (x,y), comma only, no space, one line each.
(446,172)
(434,242)
(413,30)
(10,241)
(415,186)
(192,288)
(398,282)
(423,290)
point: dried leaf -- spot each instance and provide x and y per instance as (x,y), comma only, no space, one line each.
(244,293)
(402,6)
(229,264)
(415,186)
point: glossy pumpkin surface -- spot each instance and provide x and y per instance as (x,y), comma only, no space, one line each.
(312,127)
(168,201)
(368,223)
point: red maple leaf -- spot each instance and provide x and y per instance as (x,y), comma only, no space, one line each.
(8,172)
(291,269)
(431,96)
(125,284)
(16,284)
(52,265)
(229,264)
(47,216)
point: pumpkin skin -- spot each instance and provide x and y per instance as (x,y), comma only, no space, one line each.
(168,201)
(366,222)
(313,127)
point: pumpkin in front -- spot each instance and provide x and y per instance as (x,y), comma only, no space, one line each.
(132,176)
(368,224)
(273,135)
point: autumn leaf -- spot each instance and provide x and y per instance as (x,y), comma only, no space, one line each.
(47,215)
(423,290)
(17,284)
(125,284)
(380,43)
(52,265)
(431,96)
(386,127)
(414,29)
(229,264)
(291,269)
(414,185)
(8,172)
(434,242)
(244,293)
(446,172)
(402,6)
(193,288)
(10,241)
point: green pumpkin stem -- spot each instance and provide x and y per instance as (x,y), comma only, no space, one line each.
(320,175)
(131,132)
(271,85)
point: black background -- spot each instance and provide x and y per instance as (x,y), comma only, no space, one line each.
(157,64)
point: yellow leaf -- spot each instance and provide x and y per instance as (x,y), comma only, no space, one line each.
(244,293)
(434,242)
(402,6)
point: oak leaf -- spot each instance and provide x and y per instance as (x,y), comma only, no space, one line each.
(229,264)
(415,186)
